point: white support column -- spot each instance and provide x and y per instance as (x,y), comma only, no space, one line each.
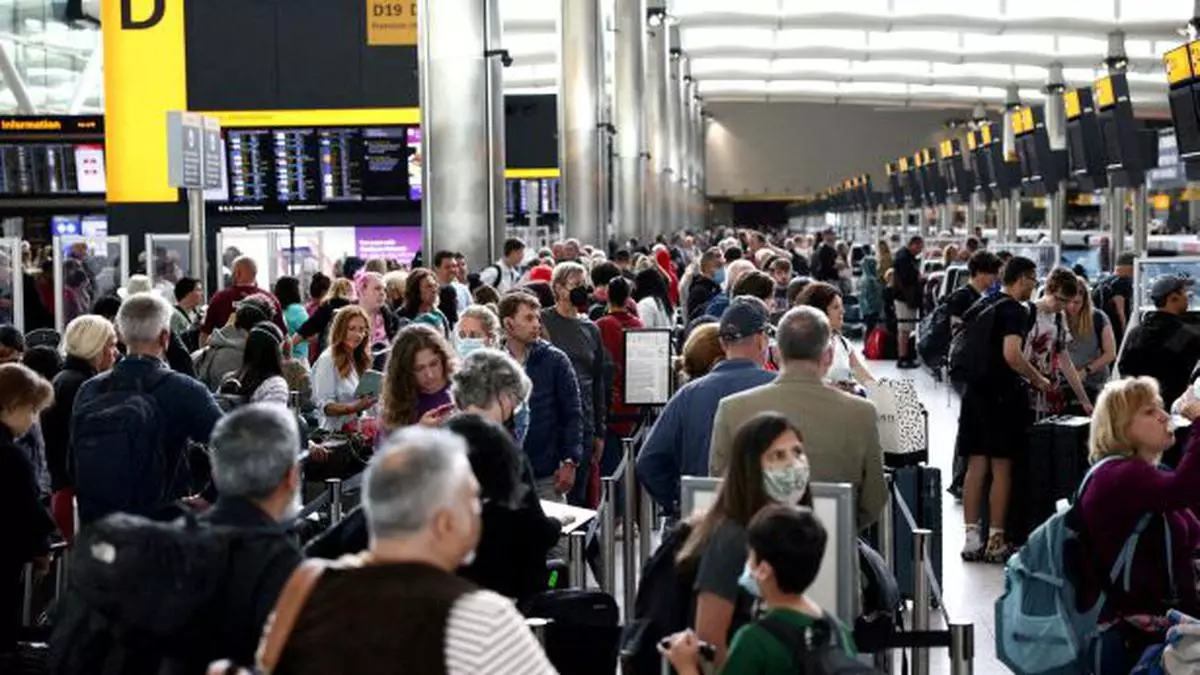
(581,82)
(632,149)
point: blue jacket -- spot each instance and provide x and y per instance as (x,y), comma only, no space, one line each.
(555,416)
(677,444)
(188,411)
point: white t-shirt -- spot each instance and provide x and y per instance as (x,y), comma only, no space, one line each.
(1048,338)
(840,371)
(651,314)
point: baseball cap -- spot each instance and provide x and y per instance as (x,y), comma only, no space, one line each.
(745,316)
(1168,284)
(1126,259)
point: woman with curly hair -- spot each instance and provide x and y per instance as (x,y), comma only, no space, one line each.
(416,386)
(336,372)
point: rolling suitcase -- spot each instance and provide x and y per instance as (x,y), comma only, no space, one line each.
(1050,471)
(921,489)
(584,630)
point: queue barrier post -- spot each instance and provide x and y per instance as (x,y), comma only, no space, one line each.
(538,627)
(646,522)
(62,569)
(630,547)
(962,649)
(577,559)
(921,601)
(334,485)
(294,399)
(27,586)
(608,535)
(887,545)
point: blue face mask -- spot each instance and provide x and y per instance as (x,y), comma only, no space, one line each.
(719,276)
(748,582)
(467,345)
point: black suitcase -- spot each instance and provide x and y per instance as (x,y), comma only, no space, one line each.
(921,489)
(1050,471)
(584,631)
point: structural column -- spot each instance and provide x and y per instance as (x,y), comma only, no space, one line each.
(658,54)
(1056,131)
(581,83)
(629,81)
(1114,197)
(1012,101)
(462,119)
(674,173)
(685,92)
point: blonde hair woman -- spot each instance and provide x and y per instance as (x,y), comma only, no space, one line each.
(1093,344)
(1128,491)
(701,352)
(89,345)
(336,372)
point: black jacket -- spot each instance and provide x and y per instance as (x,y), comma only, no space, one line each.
(1162,346)
(56,421)
(258,569)
(700,293)
(906,278)
(26,532)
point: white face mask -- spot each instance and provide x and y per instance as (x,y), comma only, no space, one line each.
(788,484)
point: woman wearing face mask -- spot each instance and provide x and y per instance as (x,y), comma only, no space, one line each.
(478,327)
(768,465)
(23,396)
(336,372)
(787,545)
(416,384)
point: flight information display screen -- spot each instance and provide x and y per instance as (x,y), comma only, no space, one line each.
(322,167)
(51,169)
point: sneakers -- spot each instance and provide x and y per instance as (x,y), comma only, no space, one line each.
(996,552)
(907,364)
(973,547)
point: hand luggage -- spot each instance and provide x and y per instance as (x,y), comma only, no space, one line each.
(1050,471)
(583,632)
(920,487)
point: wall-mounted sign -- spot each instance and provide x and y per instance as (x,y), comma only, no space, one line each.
(391,23)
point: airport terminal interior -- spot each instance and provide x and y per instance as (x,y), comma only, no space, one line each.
(599,336)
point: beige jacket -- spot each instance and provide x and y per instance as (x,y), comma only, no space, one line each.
(841,437)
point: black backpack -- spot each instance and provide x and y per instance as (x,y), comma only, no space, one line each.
(1102,295)
(143,597)
(118,439)
(817,649)
(661,609)
(970,356)
(934,335)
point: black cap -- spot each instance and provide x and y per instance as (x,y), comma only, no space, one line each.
(1126,259)
(745,316)
(1166,285)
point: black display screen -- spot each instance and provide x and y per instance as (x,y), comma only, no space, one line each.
(321,168)
(1112,140)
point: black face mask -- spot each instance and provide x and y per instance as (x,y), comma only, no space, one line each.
(580,297)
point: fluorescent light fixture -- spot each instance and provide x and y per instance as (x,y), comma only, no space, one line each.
(710,38)
(705,66)
(803,37)
(914,39)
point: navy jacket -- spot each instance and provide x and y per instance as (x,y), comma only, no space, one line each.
(678,443)
(555,415)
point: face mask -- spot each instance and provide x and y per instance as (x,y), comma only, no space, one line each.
(467,345)
(719,276)
(748,582)
(788,484)
(580,297)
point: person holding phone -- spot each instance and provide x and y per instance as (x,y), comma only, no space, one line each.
(337,371)
(416,385)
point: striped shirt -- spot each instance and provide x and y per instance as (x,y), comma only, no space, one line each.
(486,634)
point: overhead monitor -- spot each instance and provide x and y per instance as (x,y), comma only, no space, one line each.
(1125,150)
(49,158)
(1184,99)
(1085,146)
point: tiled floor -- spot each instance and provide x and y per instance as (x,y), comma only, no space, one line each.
(970,589)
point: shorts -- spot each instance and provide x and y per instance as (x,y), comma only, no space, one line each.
(993,422)
(906,316)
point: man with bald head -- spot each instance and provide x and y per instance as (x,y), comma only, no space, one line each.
(224,302)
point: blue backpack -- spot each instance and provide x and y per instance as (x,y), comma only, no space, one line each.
(117,438)
(1039,627)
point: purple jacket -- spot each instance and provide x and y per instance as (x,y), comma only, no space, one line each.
(1117,496)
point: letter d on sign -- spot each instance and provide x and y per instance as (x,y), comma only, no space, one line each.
(130,23)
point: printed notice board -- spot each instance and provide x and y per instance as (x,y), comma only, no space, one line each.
(391,23)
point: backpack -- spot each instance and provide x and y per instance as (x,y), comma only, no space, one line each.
(662,607)
(191,336)
(934,335)
(816,649)
(118,438)
(1102,294)
(1039,625)
(970,349)
(144,597)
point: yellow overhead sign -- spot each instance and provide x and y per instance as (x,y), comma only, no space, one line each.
(1194,55)
(985,133)
(1178,64)
(972,141)
(904,164)
(391,23)
(946,148)
(1071,104)
(1026,115)
(1105,98)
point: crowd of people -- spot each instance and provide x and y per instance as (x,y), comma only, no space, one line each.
(478,395)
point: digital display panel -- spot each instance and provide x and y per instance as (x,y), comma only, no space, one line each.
(322,167)
(51,169)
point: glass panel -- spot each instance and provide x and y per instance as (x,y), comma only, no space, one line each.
(304,259)
(87,269)
(168,258)
(10,284)
(258,245)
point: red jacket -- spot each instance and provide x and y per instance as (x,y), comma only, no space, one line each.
(612,333)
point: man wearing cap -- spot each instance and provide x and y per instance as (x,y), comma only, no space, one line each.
(677,444)
(1114,295)
(840,431)
(1162,346)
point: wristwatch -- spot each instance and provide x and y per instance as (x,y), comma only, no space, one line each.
(569,462)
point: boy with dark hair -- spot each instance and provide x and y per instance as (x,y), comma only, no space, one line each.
(787,544)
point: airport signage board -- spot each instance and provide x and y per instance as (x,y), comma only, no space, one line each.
(185,150)
(391,23)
